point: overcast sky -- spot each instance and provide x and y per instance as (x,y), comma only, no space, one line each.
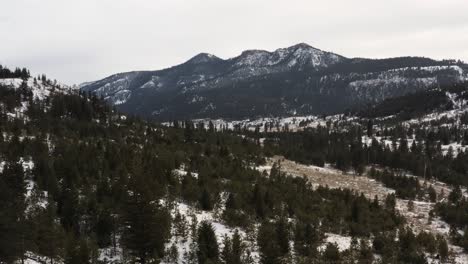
(83,40)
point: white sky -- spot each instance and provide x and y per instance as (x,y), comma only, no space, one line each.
(84,40)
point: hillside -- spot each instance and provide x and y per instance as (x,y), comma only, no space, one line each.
(82,183)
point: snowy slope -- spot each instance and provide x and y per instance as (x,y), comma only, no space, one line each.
(41,90)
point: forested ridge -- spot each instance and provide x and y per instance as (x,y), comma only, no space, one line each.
(416,104)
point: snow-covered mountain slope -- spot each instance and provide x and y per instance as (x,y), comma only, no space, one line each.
(299,56)
(454,115)
(375,87)
(299,79)
(40,89)
(208,70)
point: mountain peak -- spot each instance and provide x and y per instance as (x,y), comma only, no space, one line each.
(302,45)
(203,58)
(299,46)
(254,51)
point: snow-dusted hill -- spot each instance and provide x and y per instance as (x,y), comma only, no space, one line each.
(40,89)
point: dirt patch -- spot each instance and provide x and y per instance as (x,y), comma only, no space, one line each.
(332,178)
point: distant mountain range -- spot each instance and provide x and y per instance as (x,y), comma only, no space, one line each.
(296,80)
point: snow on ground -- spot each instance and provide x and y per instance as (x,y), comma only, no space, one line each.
(39,89)
(389,143)
(343,242)
(191,215)
(460,256)
(220,229)
(34,197)
(181,172)
(264,168)
(111,255)
(438,116)
(19,111)
(291,123)
(28,165)
(454,146)
(31,258)
(328,169)
(183,244)
(460,107)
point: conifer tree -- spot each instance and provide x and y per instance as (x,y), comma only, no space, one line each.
(12,206)
(237,248)
(270,251)
(331,254)
(146,224)
(205,201)
(226,253)
(282,236)
(49,235)
(208,252)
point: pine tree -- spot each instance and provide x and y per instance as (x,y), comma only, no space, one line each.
(432,194)
(282,236)
(331,254)
(180,226)
(237,248)
(259,201)
(231,202)
(146,223)
(205,201)
(455,195)
(365,253)
(208,251)
(172,255)
(49,236)
(104,228)
(464,241)
(442,248)
(76,251)
(370,126)
(12,206)
(226,253)
(269,249)
(390,202)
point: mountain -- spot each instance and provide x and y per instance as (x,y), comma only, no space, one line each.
(296,80)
